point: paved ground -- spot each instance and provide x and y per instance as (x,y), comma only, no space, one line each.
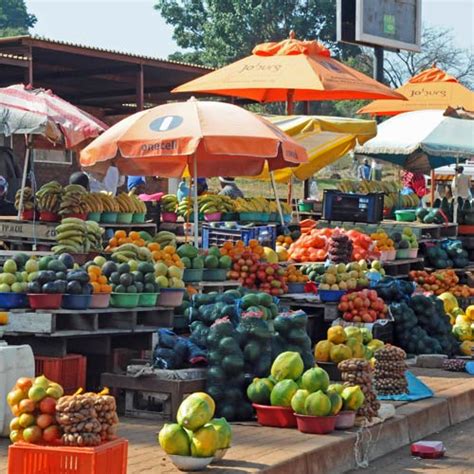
(459,458)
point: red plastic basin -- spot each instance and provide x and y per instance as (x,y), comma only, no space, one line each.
(316,424)
(46,216)
(169,216)
(45,300)
(278,417)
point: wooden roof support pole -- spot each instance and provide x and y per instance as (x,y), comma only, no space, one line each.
(140,88)
(29,70)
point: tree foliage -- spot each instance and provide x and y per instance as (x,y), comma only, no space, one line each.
(14,18)
(218,32)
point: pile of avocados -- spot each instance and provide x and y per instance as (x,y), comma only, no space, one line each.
(59,275)
(465,214)
(447,254)
(124,279)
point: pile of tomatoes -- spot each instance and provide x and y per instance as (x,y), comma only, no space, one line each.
(363,306)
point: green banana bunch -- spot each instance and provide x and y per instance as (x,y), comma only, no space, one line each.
(169,203)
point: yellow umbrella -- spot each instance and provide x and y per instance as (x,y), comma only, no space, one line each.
(326,139)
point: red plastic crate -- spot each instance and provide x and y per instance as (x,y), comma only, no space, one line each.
(69,371)
(108,458)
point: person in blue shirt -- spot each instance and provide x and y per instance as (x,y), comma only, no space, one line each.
(229,188)
(136,182)
(364,170)
(184,191)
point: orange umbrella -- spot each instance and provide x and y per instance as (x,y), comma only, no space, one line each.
(290,70)
(430,89)
(202,138)
(208,138)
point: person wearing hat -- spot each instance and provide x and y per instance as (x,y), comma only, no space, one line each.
(81,179)
(461,185)
(7,208)
(229,188)
(137,183)
(184,191)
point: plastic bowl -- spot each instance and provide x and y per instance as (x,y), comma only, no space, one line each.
(192,274)
(316,424)
(296,287)
(124,300)
(147,299)
(412,253)
(76,301)
(405,215)
(403,254)
(170,297)
(100,300)
(94,216)
(108,217)
(331,296)
(387,255)
(28,215)
(305,206)
(46,216)
(278,417)
(188,463)
(249,216)
(345,420)
(75,215)
(13,300)
(229,216)
(215,274)
(169,217)
(220,453)
(213,217)
(138,218)
(124,217)
(45,300)
(264,217)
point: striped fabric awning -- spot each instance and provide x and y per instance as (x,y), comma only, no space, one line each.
(38,111)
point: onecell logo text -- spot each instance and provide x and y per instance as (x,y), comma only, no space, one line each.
(167,145)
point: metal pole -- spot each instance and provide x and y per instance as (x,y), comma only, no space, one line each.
(280,212)
(196,211)
(29,144)
(378,64)
(140,89)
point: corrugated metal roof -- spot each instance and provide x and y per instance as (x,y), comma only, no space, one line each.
(103,50)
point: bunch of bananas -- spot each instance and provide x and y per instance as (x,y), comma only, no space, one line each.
(72,200)
(49,197)
(125,203)
(76,236)
(93,202)
(255,204)
(165,238)
(109,203)
(28,199)
(210,203)
(285,207)
(185,207)
(126,252)
(169,203)
(366,187)
(138,204)
(227,204)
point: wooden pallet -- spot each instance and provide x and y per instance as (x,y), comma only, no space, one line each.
(434,231)
(401,268)
(310,302)
(219,286)
(151,397)
(63,321)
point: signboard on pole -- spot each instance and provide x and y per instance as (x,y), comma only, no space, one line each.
(391,24)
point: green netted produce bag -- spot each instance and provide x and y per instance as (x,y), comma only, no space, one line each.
(290,335)
(255,337)
(225,377)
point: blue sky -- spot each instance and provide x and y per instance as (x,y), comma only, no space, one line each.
(133,26)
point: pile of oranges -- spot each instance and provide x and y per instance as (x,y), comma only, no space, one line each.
(99,282)
(120,237)
(235,250)
(294,275)
(166,255)
(382,241)
(284,241)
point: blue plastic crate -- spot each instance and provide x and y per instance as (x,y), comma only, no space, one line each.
(219,234)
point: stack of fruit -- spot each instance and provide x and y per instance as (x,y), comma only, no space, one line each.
(307,393)
(362,307)
(131,277)
(33,404)
(196,432)
(390,367)
(190,257)
(359,372)
(109,204)
(77,236)
(441,281)
(211,204)
(168,276)
(383,242)
(50,275)
(185,208)
(164,238)
(294,274)
(213,260)
(404,242)
(93,203)
(169,203)
(125,203)
(99,282)
(14,276)
(28,199)
(72,202)
(340,248)
(121,237)
(165,254)
(259,302)
(126,252)
(49,196)
(346,343)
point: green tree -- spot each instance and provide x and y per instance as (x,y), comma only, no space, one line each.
(217,32)
(14,18)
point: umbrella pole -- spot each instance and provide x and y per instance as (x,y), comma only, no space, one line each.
(25,171)
(280,212)
(196,211)
(455,207)
(289,102)
(432,189)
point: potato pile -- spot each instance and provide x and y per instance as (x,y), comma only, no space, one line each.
(87,419)
(390,367)
(359,372)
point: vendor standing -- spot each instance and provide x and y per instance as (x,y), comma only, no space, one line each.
(229,188)
(461,185)
(7,208)
(112,180)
